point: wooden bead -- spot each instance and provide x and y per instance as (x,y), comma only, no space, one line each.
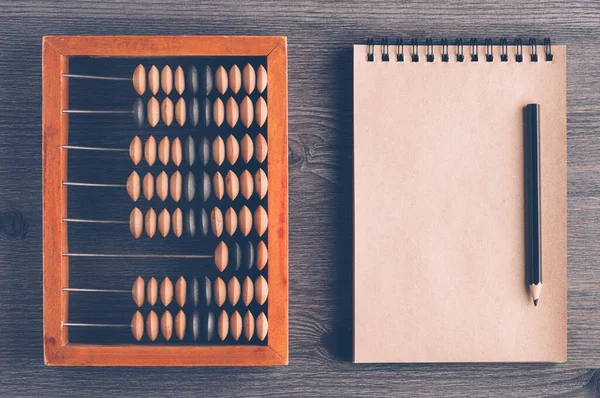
(162,186)
(218,185)
(247,148)
(232,149)
(138,291)
(261,79)
(164,150)
(262,255)
(232,112)
(221,256)
(150,151)
(246,184)
(260,148)
(166,325)
(180,111)
(139,80)
(207,80)
(216,221)
(150,222)
(209,326)
(181,291)
(261,290)
(260,111)
(153,111)
(175,186)
(194,292)
(249,78)
(205,187)
(221,80)
(230,221)
(137,325)
(246,112)
(136,222)
(164,222)
(235,79)
(166,111)
(233,291)
(176,152)
(192,80)
(148,186)
(133,186)
(235,256)
(180,321)
(195,325)
(189,222)
(205,292)
(189,151)
(220,292)
(218,112)
(139,112)
(262,326)
(248,325)
(247,254)
(166,79)
(166,291)
(218,151)
(203,151)
(179,80)
(189,186)
(261,220)
(261,183)
(247,291)
(152,325)
(153,80)
(232,185)
(245,220)
(204,223)
(223,325)
(152,291)
(135,150)
(235,325)
(177,222)
(207,112)
(194,111)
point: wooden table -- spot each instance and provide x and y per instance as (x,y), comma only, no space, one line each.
(320,35)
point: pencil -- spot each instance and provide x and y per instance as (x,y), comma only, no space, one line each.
(534,250)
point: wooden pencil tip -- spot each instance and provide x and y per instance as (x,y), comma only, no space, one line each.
(535,302)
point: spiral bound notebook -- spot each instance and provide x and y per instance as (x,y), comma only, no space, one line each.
(439,262)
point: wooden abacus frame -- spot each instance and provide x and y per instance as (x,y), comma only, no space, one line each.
(56,51)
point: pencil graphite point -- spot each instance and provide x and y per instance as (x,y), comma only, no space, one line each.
(535,302)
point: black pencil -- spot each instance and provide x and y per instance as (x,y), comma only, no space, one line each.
(532,152)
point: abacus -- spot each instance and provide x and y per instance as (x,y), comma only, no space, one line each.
(165,178)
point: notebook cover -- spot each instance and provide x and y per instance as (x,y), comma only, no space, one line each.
(439,253)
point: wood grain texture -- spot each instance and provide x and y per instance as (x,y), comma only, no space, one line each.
(320,35)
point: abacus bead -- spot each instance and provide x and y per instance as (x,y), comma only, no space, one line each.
(232,185)
(220,292)
(189,186)
(153,111)
(164,222)
(152,325)
(218,185)
(230,221)
(235,256)
(166,291)
(180,321)
(205,291)
(218,114)
(261,183)
(233,291)
(232,112)
(150,222)
(194,112)
(207,80)
(136,222)
(205,186)
(194,292)
(166,325)
(235,79)
(179,80)
(209,326)
(221,80)
(162,186)
(232,149)
(150,151)
(261,220)
(204,223)
(247,291)
(221,256)
(175,186)
(135,150)
(139,80)
(180,111)
(189,151)
(261,78)
(192,79)
(245,220)
(246,184)
(247,148)
(133,186)
(204,151)
(163,150)
(148,186)
(138,291)
(260,111)
(166,111)
(248,325)
(195,325)
(176,152)
(235,325)
(261,290)
(152,291)
(216,221)
(189,222)
(223,325)
(166,79)
(262,255)
(137,326)
(207,112)
(181,291)
(139,114)
(262,326)
(246,112)
(177,222)
(218,151)
(249,78)
(260,148)
(153,80)
(248,254)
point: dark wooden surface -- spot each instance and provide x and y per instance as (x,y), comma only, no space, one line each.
(320,35)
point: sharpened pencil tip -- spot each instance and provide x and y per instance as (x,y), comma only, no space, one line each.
(535,302)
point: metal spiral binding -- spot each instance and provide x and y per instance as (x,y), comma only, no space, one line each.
(489,50)
(474,50)
(414,53)
(385,57)
(370,49)
(548,49)
(429,50)
(503,50)
(460,56)
(444,45)
(533,49)
(519,50)
(399,50)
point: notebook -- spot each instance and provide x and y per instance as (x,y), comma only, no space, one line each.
(439,252)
